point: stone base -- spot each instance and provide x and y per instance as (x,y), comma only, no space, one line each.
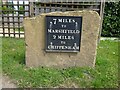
(35,42)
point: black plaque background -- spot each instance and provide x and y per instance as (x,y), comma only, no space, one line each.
(69,26)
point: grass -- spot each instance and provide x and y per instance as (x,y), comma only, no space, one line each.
(104,75)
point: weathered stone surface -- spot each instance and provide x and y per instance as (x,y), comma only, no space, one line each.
(35,42)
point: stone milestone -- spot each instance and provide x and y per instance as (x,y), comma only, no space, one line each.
(62,39)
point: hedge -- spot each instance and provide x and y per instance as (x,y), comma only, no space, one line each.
(111,21)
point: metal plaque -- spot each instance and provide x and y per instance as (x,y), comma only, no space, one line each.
(63,33)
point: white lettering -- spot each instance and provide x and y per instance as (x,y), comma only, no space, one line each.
(55,21)
(63,31)
(52,47)
(59,20)
(63,26)
(54,36)
(49,31)
(59,37)
(63,20)
(66,37)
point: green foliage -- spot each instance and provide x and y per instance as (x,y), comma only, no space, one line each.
(8,9)
(111,22)
(5,10)
(20,29)
(21,8)
(104,75)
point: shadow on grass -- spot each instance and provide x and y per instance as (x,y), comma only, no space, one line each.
(22,59)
